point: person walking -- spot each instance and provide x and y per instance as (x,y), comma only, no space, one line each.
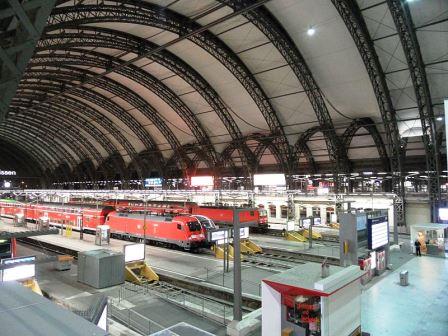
(417,248)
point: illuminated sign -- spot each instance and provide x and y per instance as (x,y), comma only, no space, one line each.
(134,252)
(269,179)
(8,172)
(153,182)
(443,214)
(24,268)
(201,181)
(378,232)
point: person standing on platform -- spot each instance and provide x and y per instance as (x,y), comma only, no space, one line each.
(417,248)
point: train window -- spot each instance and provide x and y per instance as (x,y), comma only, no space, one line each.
(194,226)
(179,227)
(252,213)
(284,211)
(272,210)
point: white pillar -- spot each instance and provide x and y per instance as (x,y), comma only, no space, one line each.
(323,214)
(271,322)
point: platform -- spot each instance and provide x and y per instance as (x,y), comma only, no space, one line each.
(193,267)
(318,249)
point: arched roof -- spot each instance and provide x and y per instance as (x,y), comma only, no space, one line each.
(126,84)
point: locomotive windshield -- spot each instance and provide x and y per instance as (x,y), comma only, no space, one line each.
(194,226)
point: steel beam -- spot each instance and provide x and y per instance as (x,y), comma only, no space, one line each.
(351,15)
(148,14)
(406,31)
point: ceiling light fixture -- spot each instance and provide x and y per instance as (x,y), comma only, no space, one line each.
(311,31)
(439,118)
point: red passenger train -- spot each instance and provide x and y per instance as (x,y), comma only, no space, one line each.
(221,215)
(182,231)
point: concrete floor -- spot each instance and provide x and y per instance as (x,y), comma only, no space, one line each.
(418,309)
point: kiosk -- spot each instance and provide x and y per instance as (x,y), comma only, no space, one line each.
(299,302)
(432,237)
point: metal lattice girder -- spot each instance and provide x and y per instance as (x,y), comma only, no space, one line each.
(20,155)
(36,146)
(68,119)
(94,36)
(18,42)
(74,106)
(351,15)
(369,125)
(124,93)
(110,169)
(95,59)
(277,35)
(66,78)
(85,171)
(69,137)
(48,89)
(406,31)
(148,14)
(44,160)
(48,140)
(301,146)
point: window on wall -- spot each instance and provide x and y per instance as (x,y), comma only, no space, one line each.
(302,211)
(316,211)
(272,211)
(284,211)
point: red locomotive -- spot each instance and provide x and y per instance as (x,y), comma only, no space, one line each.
(221,215)
(182,231)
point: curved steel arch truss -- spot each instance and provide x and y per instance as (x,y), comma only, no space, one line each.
(277,35)
(107,38)
(78,107)
(66,134)
(147,14)
(37,146)
(301,146)
(369,125)
(405,28)
(121,91)
(95,59)
(21,156)
(67,118)
(351,15)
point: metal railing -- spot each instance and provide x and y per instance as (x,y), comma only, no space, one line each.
(211,309)
(133,320)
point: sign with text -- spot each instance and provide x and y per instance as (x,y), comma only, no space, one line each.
(21,268)
(153,182)
(378,232)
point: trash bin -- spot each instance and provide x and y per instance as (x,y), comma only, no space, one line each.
(404,278)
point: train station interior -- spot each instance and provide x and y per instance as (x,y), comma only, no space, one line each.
(223,167)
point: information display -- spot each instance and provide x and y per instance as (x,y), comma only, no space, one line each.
(443,214)
(153,182)
(378,232)
(201,181)
(134,252)
(21,268)
(269,179)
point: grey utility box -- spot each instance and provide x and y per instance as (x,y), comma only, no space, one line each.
(101,268)
(404,278)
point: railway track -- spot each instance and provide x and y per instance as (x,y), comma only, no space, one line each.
(272,261)
(208,307)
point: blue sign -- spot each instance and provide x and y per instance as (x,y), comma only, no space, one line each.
(153,182)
